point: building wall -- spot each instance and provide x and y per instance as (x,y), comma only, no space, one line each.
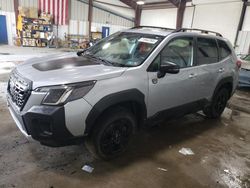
(188,17)
(101,16)
(246,24)
(7,9)
(159,17)
(28,3)
(78,13)
(124,9)
(218,15)
(7,5)
(79,20)
(79,10)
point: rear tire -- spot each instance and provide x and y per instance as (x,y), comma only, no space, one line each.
(218,104)
(112,133)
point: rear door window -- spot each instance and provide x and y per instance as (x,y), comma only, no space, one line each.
(224,49)
(207,51)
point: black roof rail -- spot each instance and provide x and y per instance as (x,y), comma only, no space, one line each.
(153,27)
(201,30)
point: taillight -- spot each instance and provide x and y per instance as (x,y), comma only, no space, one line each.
(238,64)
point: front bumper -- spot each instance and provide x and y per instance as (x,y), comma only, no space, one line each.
(45,124)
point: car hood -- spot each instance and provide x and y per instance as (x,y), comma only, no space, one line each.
(65,69)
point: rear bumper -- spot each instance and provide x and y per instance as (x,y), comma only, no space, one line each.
(45,124)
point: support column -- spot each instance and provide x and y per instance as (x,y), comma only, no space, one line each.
(138,11)
(90,15)
(16,9)
(180,13)
(241,21)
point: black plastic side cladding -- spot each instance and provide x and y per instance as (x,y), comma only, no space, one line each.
(131,95)
(47,125)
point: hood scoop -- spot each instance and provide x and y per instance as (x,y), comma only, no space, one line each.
(64,63)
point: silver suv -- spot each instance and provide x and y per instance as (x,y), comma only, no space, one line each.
(132,78)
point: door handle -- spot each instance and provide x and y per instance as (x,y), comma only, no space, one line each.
(192,75)
(221,70)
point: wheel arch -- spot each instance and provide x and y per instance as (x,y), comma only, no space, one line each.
(226,82)
(132,99)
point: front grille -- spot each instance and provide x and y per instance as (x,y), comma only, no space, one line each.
(19,89)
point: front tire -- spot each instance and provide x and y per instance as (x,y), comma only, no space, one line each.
(218,104)
(113,133)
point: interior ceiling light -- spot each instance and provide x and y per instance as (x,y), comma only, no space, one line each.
(140,2)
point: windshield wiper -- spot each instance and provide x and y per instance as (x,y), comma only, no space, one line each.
(107,62)
(102,60)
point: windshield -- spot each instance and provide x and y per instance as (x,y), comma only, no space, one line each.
(247,58)
(125,49)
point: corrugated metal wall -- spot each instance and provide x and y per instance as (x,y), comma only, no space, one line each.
(7,5)
(101,16)
(28,3)
(78,18)
(243,42)
(113,28)
(79,10)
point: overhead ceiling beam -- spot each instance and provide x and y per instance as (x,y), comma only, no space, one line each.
(130,3)
(111,4)
(137,8)
(180,13)
(159,5)
(100,7)
(174,2)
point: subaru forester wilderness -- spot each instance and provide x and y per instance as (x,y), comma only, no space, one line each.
(129,79)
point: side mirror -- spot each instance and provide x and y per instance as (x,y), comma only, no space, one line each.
(168,67)
(79,53)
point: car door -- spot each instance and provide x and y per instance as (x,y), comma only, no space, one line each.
(208,65)
(173,90)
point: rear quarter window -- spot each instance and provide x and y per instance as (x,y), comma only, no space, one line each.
(224,49)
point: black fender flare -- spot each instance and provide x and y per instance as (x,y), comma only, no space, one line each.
(130,95)
(226,80)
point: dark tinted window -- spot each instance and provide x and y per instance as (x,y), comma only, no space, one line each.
(178,51)
(207,51)
(224,49)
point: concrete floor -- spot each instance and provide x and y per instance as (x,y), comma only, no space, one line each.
(221,159)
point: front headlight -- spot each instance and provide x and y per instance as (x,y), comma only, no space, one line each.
(62,94)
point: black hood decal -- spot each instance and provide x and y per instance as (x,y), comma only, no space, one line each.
(64,63)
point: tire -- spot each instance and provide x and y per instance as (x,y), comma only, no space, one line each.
(218,104)
(112,133)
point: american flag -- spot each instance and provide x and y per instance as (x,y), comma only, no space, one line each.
(58,8)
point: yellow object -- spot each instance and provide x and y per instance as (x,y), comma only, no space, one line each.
(19,22)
